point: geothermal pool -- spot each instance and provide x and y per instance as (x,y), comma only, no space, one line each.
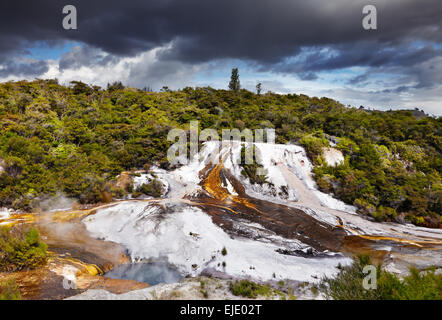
(149,272)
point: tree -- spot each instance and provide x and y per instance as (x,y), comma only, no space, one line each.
(117,85)
(148,89)
(258,88)
(234,80)
(79,87)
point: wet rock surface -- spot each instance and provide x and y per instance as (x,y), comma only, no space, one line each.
(209,206)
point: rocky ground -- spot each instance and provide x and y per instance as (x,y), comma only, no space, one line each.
(198,288)
(212,221)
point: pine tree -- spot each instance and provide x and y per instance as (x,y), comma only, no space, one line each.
(234,80)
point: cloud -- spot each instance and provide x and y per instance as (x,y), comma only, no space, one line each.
(167,42)
(201,30)
(95,66)
(427,99)
(151,72)
(23,68)
(85,55)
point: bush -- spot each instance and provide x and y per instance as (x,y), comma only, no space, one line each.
(250,170)
(324,183)
(314,145)
(347,285)
(249,289)
(20,249)
(364,206)
(384,213)
(153,188)
(417,286)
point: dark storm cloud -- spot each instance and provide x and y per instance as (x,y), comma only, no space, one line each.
(364,54)
(23,68)
(84,56)
(308,76)
(264,32)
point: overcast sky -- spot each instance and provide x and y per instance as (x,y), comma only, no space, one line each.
(316,47)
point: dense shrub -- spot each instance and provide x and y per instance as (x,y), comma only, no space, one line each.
(314,145)
(348,284)
(250,166)
(21,249)
(153,188)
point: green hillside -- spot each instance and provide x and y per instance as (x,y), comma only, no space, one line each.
(77,139)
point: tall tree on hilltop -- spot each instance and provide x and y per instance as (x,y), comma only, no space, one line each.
(234,80)
(258,88)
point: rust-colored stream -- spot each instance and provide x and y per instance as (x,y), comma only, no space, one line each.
(72,249)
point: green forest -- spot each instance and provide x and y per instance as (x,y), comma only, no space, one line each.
(76,139)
